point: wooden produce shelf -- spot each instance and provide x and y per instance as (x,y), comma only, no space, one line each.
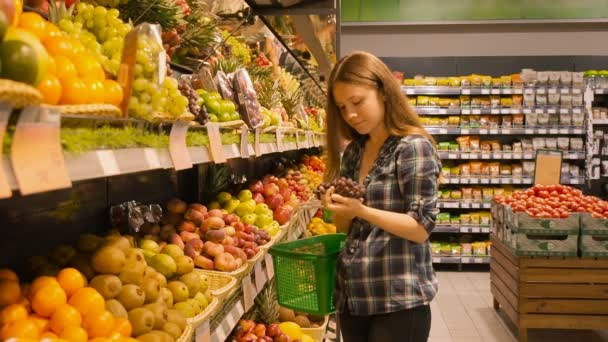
(549,292)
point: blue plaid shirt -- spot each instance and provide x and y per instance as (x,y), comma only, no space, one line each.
(379,272)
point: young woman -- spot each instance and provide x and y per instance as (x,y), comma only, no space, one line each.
(385,276)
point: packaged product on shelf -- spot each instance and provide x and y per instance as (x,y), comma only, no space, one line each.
(433,101)
(465,219)
(495,101)
(475,80)
(454,102)
(418,81)
(517,101)
(507,148)
(563,143)
(425,121)
(577,79)
(578,119)
(443,146)
(528,168)
(542,78)
(527,146)
(554,119)
(454,81)
(486,81)
(475,101)
(494,169)
(496,147)
(554,78)
(517,170)
(517,81)
(412,101)
(465,100)
(444,122)
(485,146)
(577,100)
(474,143)
(539,143)
(543,119)
(485,169)
(454,121)
(443,218)
(485,218)
(528,77)
(446,194)
(577,144)
(506,81)
(456,194)
(479,248)
(455,170)
(565,78)
(464,121)
(477,195)
(435,248)
(443,82)
(422,100)
(455,219)
(485,102)
(467,194)
(467,249)
(551,143)
(476,167)
(505,170)
(541,100)
(430,81)
(455,249)
(475,219)
(499,191)
(224,86)
(484,121)
(487,193)
(518,119)
(249,106)
(531,119)
(566,100)
(454,147)
(529,100)
(464,143)
(507,121)
(517,147)
(553,99)
(465,169)
(489,247)
(575,170)
(495,121)
(435,121)
(409,82)
(497,82)
(444,102)
(465,81)
(506,102)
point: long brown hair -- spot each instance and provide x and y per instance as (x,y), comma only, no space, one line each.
(365,69)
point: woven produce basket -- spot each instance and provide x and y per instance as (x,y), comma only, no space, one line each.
(239,273)
(18,94)
(317,333)
(100,110)
(277,237)
(186,334)
(199,319)
(220,284)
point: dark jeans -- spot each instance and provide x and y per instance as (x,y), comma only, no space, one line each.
(412,325)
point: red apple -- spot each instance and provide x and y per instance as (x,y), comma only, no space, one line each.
(215,213)
(259,330)
(282,183)
(258,197)
(238,226)
(186,226)
(273,330)
(256,187)
(270,189)
(198,207)
(248,229)
(197,217)
(282,214)
(229,218)
(274,201)
(286,193)
(282,338)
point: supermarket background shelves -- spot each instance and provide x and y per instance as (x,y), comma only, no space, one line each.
(460,260)
(600,121)
(474,229)
(456,204)
(508,130)
(600,91)
(456,155)
(436,110)
(505,180)
(439,90)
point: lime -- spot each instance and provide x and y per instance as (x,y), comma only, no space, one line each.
(20,62)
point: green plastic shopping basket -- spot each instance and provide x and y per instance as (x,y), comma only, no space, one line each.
(305,272)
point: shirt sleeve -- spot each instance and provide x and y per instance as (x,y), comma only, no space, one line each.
(417,172)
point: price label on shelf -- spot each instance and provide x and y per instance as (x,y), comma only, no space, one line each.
(505,111)
(529,90)
(516,180)
(465,155)
(260,277)
(475,205)
(298,145)
(528,156)
(495,180)
(483,131)
(474,156)
(485,156)
(485,91)
(564,110)
(249,292)
(495,111)
(507,91)
(475,230)
(36,152)
(152,159)
(464,131)
(410,91)
(495,91)
(455,180)
(563,131)
(177,146)
(577,131)
(576,91)
(442,111)
(552,91)
(527,110)
(565,90)
(553,131)
(464,180)
(516,155)
(108,162)
(203,333)
(484,181)
(443,131)
(572,155)
(451,204)
(516,110)
(474,181)
(539,110)
(576,110)
(465,205)
(466,111)
(552,110)
(497,155)
(527,180)
(256,141)
(476,111)
(5,112)
(542,131)
(452,156)
(541,91)
(505,181)
(244,141)
(493,131)
(309,139)
(437,260)
(269,266)
(506,131)
(517,90)
(529,131)
(574,181)
(215,144)
(507,155)
(466,91)
(280,145)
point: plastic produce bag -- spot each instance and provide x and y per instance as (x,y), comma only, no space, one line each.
(248,104)
(224,86)
(131,216)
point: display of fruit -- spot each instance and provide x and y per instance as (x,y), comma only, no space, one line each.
(22,56)
(319,227)
(194,101)
(554,201)
(219,110)
(302,319)
(344,186)
(248,330)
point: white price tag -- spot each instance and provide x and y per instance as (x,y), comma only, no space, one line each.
(527,110)
(517,91)
(563,131)
(552,111)
(573,155)
(269,266)
(497,155)
(527,180)
(485,91)
(553,131)
(465,155)
(495,91)
(495,111)
(410,91)
(466,111)
(507,91)
(474,180)
(552,91)
(528,156)
(564,110)
(452,156)
(506,131)
(464,131)
(529,90)
(576,91)
(493,131)
(565,90)
(455,180)
(443,131)
(108,162)
(541,91)
(475,205)
(244,142)
(485,156)
(576,110)
(515,111)
(203,333)
(475,230)
(464,180)
(466,91)
(437,260)
(542,131)
(476,111)
(539,110)
(483,131)
(507,155)
(495,180)
(516,155)
(451,204)
(505,111)
(465,205)
(474,156)
(442,111)
(577,131)
(152,158)
(516,180)
(260,277)
(248,292)
(484,181)
(464,229)
(529,131)
(505,181)
(574,181)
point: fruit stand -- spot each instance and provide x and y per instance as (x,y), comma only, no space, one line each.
(544,271)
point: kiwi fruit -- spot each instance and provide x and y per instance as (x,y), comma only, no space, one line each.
(286,315)
(142,321)
(108,260)
(302,321)
(116,308)
(176,317)
(172,329)
(166,296)
(107,285)
(88,243)
(179,291)
(131,296)
(119,242)
(192,281)
(160,314)
(151,289)
(133,273)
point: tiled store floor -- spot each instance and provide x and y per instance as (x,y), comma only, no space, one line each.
(463,312)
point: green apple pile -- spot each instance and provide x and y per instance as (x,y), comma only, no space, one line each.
(219,110)
(271,118)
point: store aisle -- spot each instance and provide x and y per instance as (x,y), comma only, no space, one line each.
(462,312)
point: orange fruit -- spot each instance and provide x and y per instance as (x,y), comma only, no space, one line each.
(71,280)
(87,300)
(78,49)
(59,45)
(34,23)
(88,67)
(96,91)
(73,91)
(65,69)
(51,66)
(98,323)
(63,317)
(48,299)
(50,88)
(74,334)
(41,322)
(113,92)
(8,274)
(48,334)
(10,292)
(51,31)
(122,326)
(13,312)
(41,282)
(23,328)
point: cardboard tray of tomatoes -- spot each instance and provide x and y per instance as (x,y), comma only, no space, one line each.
(526,244)
(593,245)
(521,222)
(591,225)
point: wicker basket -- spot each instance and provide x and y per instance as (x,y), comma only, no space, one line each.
(198,320)
(186,334)
(100,110)
(220,284)
(318,334)
(18,94)
(239,273)
(251,262)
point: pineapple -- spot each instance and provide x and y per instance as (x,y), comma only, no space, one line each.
(268,92)
(267,305)
(58,11)
(227,65)
(168,13)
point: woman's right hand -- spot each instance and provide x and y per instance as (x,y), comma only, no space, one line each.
(326,199)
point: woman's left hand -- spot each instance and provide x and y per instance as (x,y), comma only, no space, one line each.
(346,206)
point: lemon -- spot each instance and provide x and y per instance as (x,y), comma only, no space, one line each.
(291,329)
(307,338)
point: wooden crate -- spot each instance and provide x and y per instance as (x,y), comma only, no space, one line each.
(549,292)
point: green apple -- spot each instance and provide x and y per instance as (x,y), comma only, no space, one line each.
(213,106)
(261,208)
(245,208)
(216,96)
(245,195)
(228,106)
(213,118)
(231,205)
(225,116)
(275,119)
(223,197)
(214,205)
(249,219)
(264,220)
(267,120)
(235,116)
